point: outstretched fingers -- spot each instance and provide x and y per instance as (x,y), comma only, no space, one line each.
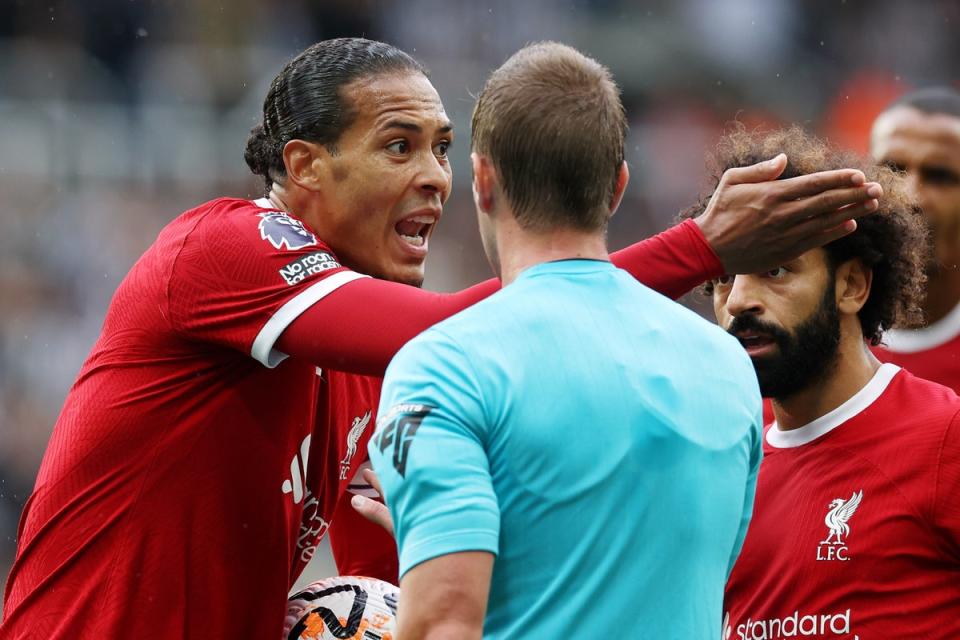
(836,217)
(814,240)
(760,172)
(817,183)
(838,198)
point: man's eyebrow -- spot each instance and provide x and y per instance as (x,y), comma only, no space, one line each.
(395,123)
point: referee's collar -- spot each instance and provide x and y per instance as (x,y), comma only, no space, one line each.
(567,265)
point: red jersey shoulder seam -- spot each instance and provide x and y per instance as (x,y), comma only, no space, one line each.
(168,316)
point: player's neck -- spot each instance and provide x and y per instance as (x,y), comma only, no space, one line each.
(519,249)
(943,294)
(296,202)
(855,367)
(278,198)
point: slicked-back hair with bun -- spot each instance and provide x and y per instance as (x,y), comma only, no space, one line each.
(306,100)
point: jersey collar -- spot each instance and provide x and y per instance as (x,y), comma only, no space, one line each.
(567,265)
(830,421)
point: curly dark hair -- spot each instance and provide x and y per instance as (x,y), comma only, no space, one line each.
(892,242)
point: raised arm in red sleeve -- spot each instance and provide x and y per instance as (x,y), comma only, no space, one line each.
(672,262)
(361,325)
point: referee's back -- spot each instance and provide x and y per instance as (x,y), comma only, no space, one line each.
(622,437)
(599,440)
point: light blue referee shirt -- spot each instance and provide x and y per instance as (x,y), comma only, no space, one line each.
(600,439)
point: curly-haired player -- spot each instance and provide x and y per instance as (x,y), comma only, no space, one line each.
(856,529)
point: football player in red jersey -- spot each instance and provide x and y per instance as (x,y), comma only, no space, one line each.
(919,134)
(856,525)
(195,466)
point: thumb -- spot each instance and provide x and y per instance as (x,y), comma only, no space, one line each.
(372,510)
(760,172)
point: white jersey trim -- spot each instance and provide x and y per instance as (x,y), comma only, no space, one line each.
(830,421)
(913,340)
(264,203)
(262,349)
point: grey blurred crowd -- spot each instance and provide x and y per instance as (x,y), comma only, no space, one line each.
(116,115)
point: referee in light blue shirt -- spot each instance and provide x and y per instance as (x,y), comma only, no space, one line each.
(576,455)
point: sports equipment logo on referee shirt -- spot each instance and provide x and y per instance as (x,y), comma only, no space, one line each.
(397,429)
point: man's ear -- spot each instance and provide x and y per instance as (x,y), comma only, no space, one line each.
(484,182)
(305,162)
(854,280)
(623,177)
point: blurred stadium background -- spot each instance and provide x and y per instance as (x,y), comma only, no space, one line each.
(116,115)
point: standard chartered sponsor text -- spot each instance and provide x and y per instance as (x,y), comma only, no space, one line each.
(797,625)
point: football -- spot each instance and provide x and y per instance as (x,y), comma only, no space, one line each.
(343,607)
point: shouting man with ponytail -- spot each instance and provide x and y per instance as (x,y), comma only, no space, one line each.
(224,412)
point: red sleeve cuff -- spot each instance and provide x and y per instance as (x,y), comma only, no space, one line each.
(709,260)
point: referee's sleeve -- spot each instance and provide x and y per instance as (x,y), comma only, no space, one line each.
(429,451)
(755,457)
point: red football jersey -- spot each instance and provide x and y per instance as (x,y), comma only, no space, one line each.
(186,484)
(856,524)
(932,352)
(194,468)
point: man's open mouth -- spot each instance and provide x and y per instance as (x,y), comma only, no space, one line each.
(415,229)
(755,339)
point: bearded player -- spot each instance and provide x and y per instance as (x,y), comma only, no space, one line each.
(919,134)
(205,447)
(856,525)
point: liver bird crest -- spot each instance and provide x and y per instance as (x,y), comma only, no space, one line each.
(840,512)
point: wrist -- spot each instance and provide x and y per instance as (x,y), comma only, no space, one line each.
(710,260)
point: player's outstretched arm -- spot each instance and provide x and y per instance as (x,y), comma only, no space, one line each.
(754,222)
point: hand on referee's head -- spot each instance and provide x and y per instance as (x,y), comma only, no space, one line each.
(755,222)
(373,510)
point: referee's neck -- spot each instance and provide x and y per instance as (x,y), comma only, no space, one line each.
(519,249)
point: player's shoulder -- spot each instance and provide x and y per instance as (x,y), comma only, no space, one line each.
(434,369)
(244,233)
(666,312)
(435,349)
(917,396)
(912,415)
(240,219)
(216,207)
(203,221)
